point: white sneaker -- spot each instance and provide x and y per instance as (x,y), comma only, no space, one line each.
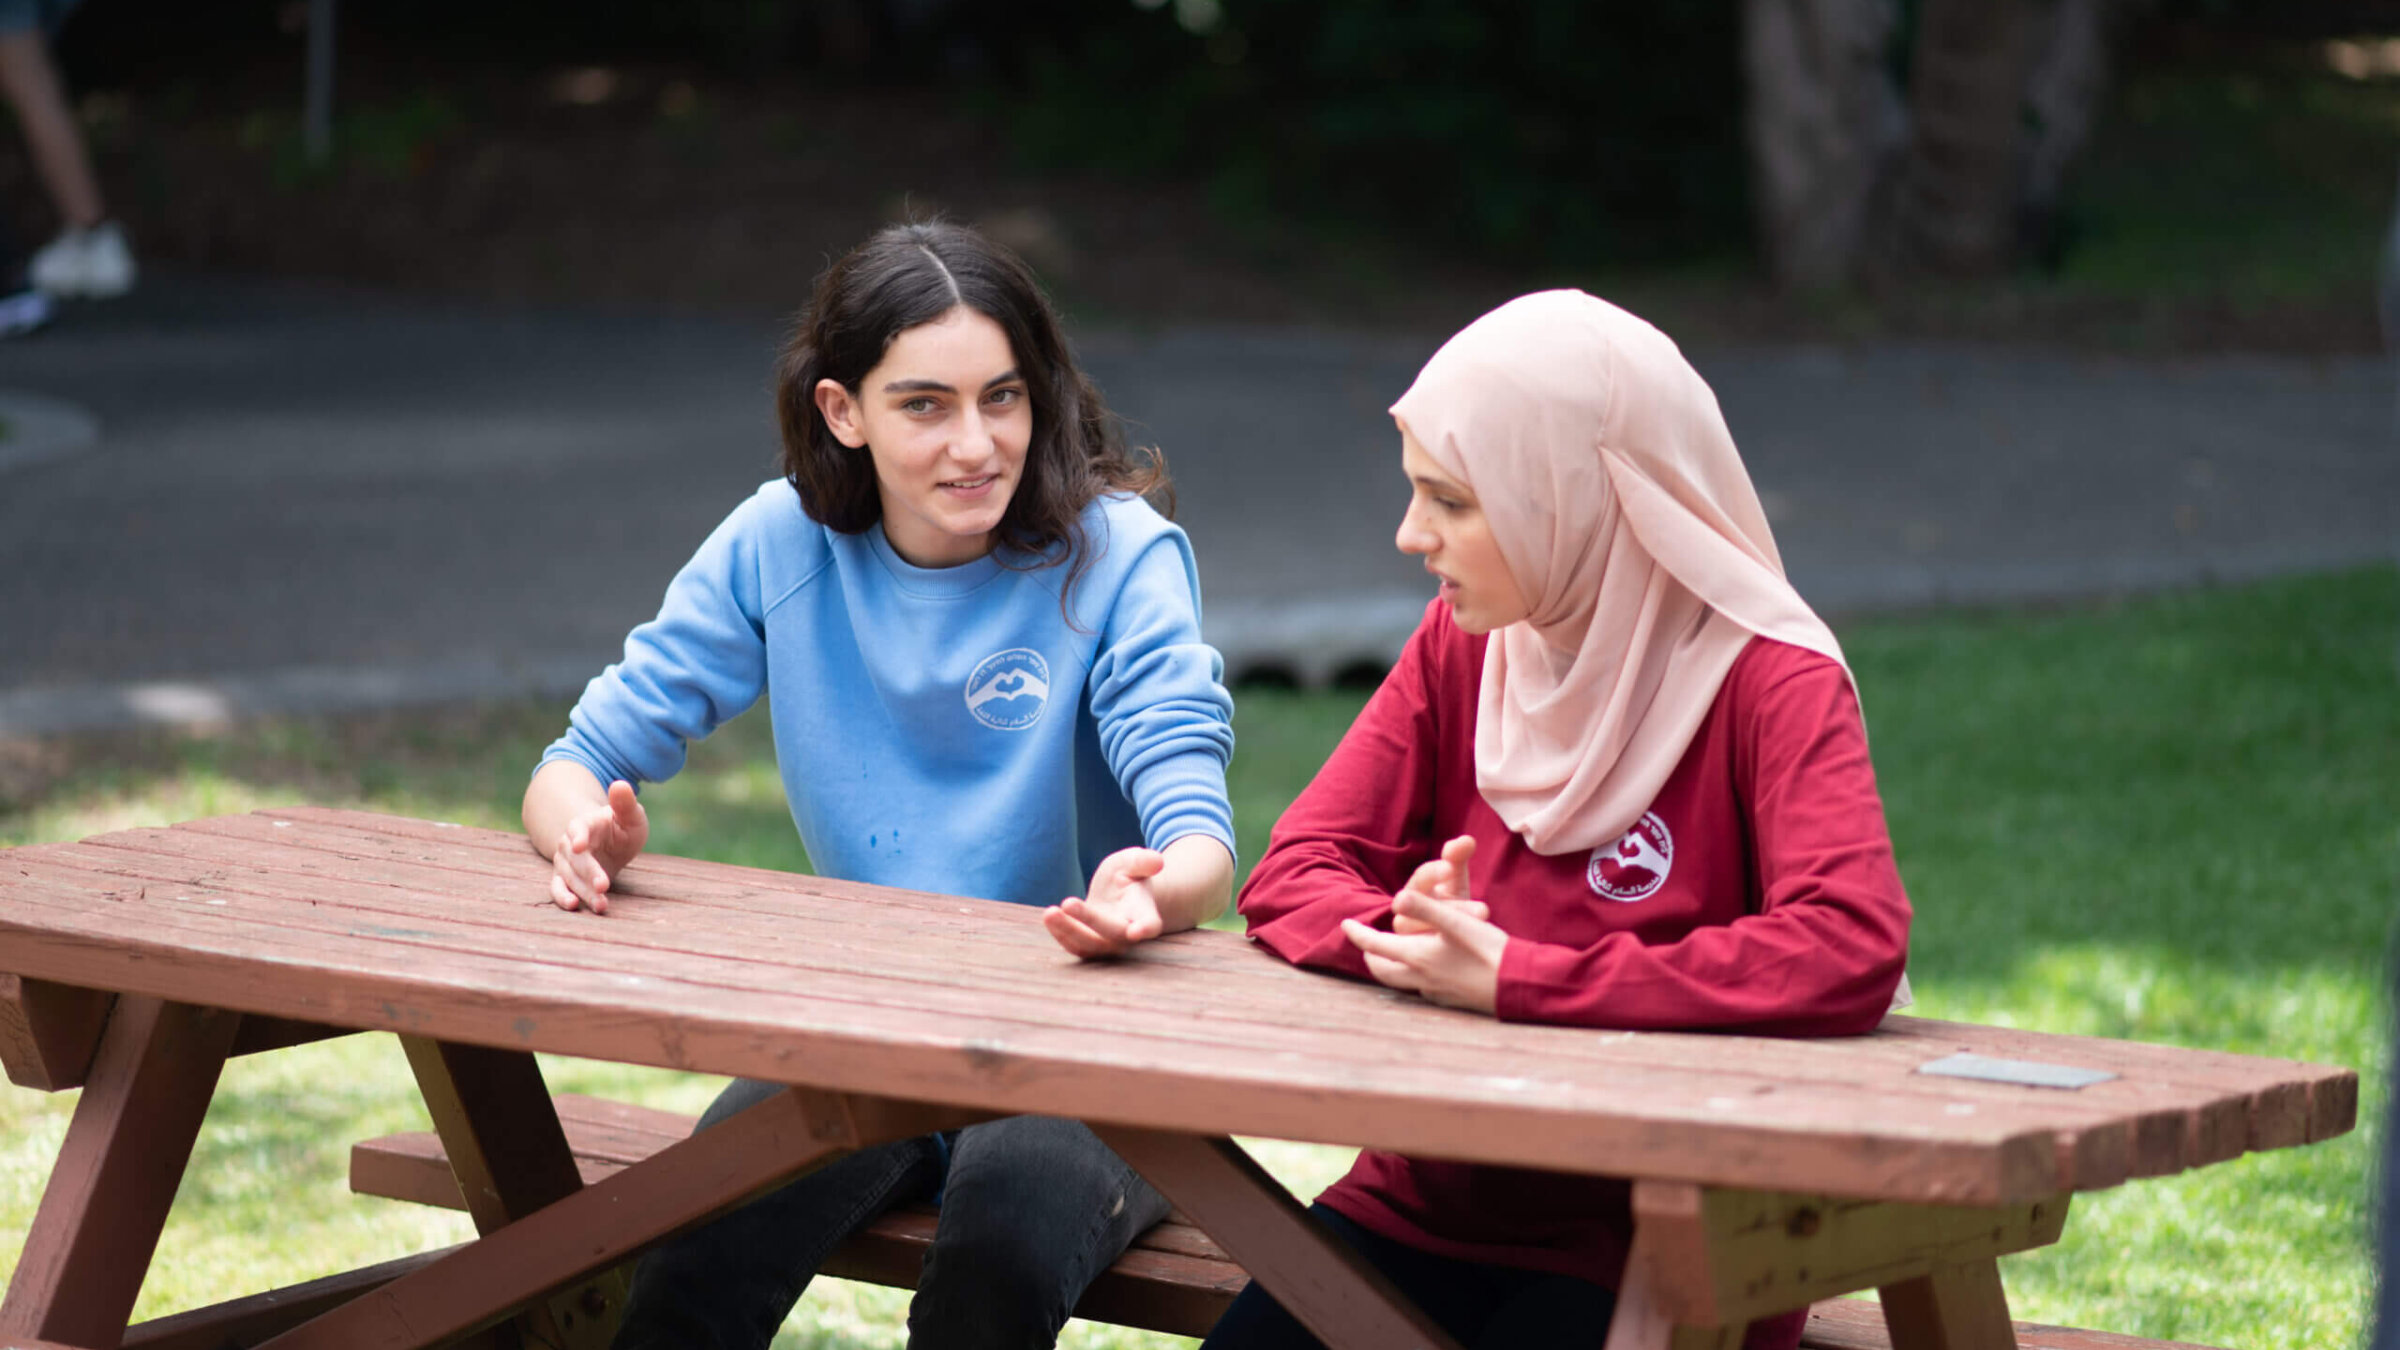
(91,264)
(22,312)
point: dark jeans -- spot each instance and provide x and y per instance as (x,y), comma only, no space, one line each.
(1479,1305)
(1032,1209)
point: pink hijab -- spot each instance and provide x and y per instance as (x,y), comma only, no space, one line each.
(1625,516)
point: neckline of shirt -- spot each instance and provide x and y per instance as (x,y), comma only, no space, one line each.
(931,581)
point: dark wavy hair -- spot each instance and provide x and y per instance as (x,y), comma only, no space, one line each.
(911,274)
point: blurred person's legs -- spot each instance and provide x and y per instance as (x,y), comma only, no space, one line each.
(1483,1307)
(728,1284)
(1032,1209)
(89,258)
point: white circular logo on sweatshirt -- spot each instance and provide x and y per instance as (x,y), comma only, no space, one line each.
(1634,867)
(1009,689)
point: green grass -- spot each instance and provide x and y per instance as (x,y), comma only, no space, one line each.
(2169,820)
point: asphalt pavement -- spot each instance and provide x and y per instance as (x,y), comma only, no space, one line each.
(221,497)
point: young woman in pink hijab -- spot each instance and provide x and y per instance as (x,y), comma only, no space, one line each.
(1617,779)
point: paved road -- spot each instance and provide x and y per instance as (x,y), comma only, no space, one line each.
(307,497)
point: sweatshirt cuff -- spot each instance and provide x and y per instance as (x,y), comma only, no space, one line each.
(1328,948)
(591,764)
(1186,795)
(1518,997)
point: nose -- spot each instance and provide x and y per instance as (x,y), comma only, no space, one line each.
(1413,536)
(974,444)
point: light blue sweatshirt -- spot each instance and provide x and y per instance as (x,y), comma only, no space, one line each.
(945,730)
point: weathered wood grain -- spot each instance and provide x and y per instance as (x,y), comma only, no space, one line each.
(2098,1154)
(2177,1123)
(1175,1008)
(194,937)
(2291,1102)
(309,922)
(928,962)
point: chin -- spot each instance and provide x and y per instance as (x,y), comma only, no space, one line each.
(978,525)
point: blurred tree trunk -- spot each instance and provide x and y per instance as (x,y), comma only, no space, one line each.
(2062,100)
(1824,122)
(1963,181)
(1954,206)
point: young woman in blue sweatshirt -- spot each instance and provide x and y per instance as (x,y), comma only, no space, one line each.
(982,651)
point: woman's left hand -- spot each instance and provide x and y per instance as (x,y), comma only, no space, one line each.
(1453,958)
(1121,911)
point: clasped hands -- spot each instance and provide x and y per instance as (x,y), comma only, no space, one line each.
(1443,944)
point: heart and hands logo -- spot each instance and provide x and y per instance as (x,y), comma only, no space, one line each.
(1008,689)
(1634,867)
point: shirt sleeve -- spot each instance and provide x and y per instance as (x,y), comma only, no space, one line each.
(1358,830)
(1826,949)
(1158,697)
(700,663)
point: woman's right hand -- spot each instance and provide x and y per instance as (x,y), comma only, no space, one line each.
(594,846)
(1443,878)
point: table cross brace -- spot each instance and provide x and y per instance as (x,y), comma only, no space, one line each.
(605,1224)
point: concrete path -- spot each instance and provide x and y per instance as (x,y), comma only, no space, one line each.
(311,498)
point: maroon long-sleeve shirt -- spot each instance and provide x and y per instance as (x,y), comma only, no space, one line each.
(1757,894)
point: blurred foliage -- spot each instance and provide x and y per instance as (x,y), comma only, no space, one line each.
(1589,140)
(1549,129)
(2261,184)
(1564,131)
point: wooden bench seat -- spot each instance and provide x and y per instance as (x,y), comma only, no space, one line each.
(1174,1278)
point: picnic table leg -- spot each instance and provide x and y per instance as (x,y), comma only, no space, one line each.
(1670,1239)
(511,1158)
(1642,1322)
(614,1219)
(1960,1307)
(1707,1259)
(125,1151)
(501,1133)
(1334,1292)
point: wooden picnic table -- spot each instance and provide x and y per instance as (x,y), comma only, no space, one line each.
(1767,1173)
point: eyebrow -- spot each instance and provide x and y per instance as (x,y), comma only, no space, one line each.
(937,387)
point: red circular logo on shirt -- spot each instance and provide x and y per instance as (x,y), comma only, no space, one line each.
(1634,867)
